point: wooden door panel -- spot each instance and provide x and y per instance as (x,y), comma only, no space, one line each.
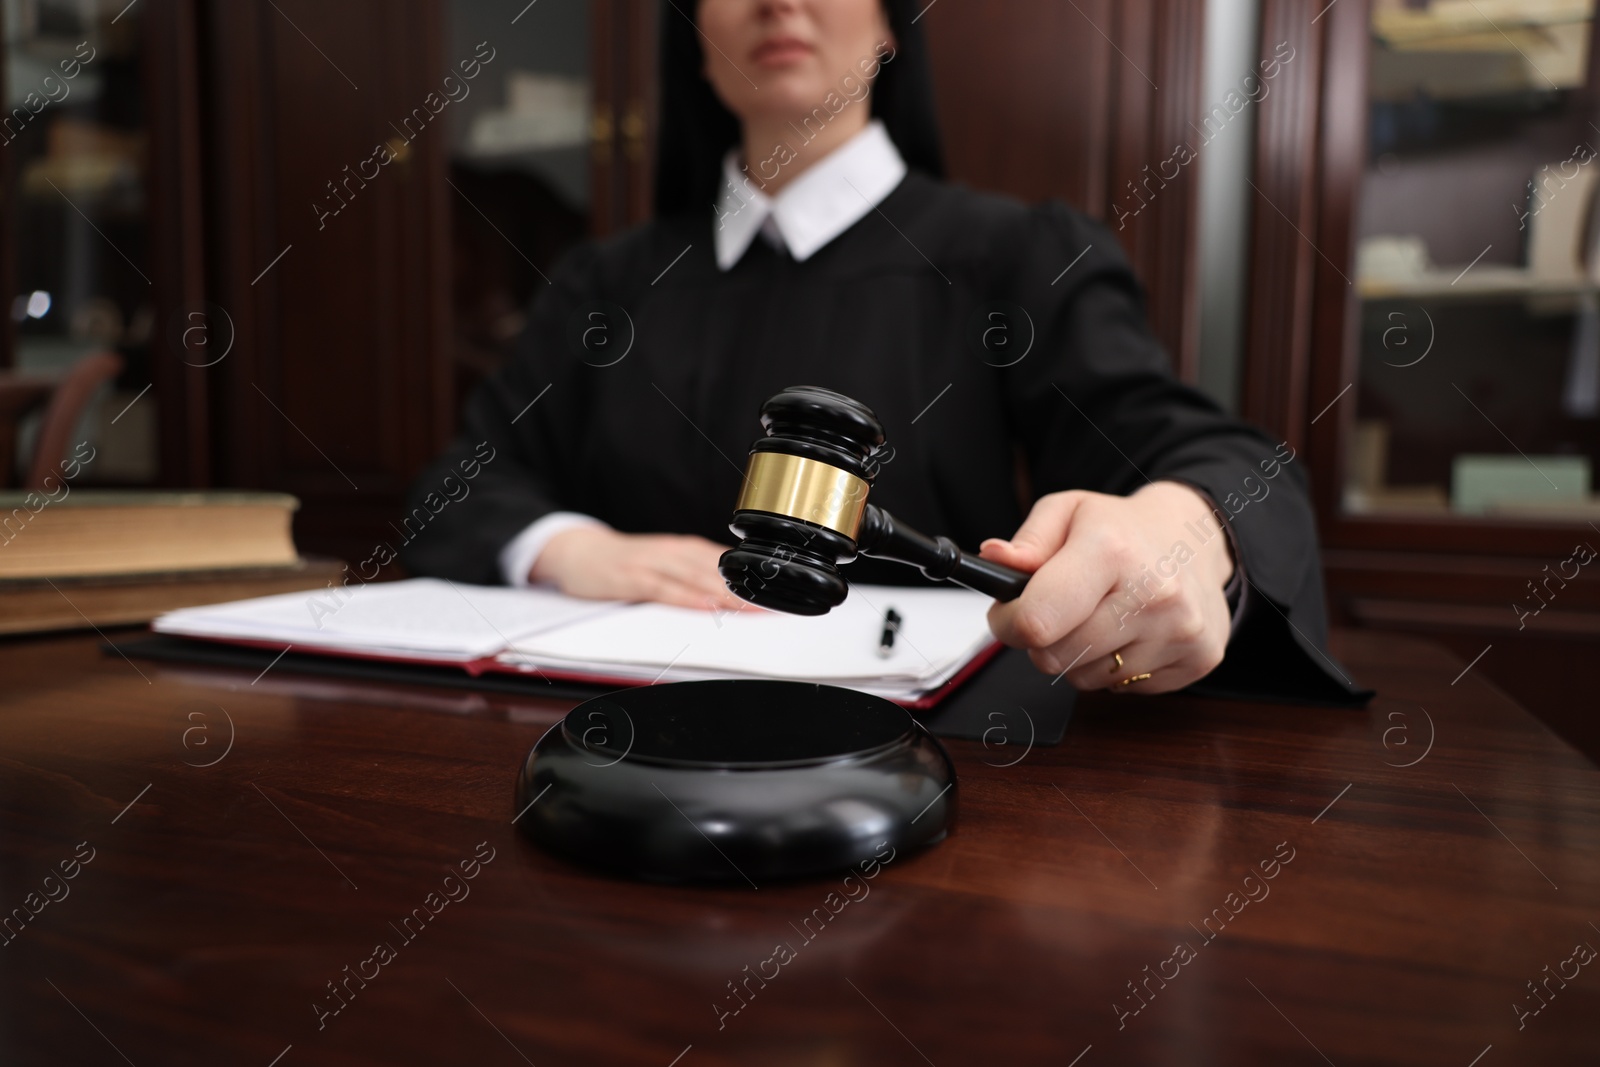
(329,181)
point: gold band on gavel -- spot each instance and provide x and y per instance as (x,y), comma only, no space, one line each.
(804,489)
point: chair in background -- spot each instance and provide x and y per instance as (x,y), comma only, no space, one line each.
(63,397)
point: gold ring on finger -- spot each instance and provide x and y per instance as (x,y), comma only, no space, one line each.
(1135,678)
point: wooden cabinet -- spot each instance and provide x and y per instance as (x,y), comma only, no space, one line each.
(1423,323)
(100,232)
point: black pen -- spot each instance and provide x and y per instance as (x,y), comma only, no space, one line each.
(891,626)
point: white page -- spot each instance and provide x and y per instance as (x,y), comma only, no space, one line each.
(941,630)
(891,690)
(439,619)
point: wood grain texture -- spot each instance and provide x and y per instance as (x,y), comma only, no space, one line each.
(339,387)
(1282,255)
(221,900)
(639,119)
(177,257)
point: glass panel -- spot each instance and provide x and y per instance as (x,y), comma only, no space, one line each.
(520,164)
(1478,267)
(75,149)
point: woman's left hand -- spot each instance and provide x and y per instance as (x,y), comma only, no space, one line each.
(1140,577)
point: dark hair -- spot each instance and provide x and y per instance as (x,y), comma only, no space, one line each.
(697,129)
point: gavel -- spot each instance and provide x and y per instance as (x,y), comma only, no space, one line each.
(803,511)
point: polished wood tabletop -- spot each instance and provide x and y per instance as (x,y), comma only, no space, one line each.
(205,863)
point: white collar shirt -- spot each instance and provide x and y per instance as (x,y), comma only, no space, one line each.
(821,203)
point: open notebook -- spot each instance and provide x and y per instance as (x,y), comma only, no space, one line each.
(943,636)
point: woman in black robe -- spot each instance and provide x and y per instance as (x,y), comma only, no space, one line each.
(803,236)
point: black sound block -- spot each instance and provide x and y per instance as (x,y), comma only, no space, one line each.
(735,781)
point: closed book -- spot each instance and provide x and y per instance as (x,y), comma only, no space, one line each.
(40,604)
(102,532)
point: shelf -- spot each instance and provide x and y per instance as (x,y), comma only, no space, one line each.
(1479,283)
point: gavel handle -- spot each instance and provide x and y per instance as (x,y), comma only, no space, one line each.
(882,536)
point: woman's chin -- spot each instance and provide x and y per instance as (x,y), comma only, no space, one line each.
(792,93)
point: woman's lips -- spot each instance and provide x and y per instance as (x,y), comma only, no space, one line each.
(780,51)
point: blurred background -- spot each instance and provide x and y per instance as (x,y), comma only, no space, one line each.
(264,244)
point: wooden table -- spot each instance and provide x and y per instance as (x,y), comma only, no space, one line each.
(228,886)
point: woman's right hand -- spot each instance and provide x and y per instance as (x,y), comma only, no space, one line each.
(602,564)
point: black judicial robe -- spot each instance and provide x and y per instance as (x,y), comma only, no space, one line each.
(980,330)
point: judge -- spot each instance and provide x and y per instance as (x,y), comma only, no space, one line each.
(803,235)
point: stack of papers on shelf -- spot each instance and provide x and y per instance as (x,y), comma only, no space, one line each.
(943,631)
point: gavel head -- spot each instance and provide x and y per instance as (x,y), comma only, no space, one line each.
(802,500)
